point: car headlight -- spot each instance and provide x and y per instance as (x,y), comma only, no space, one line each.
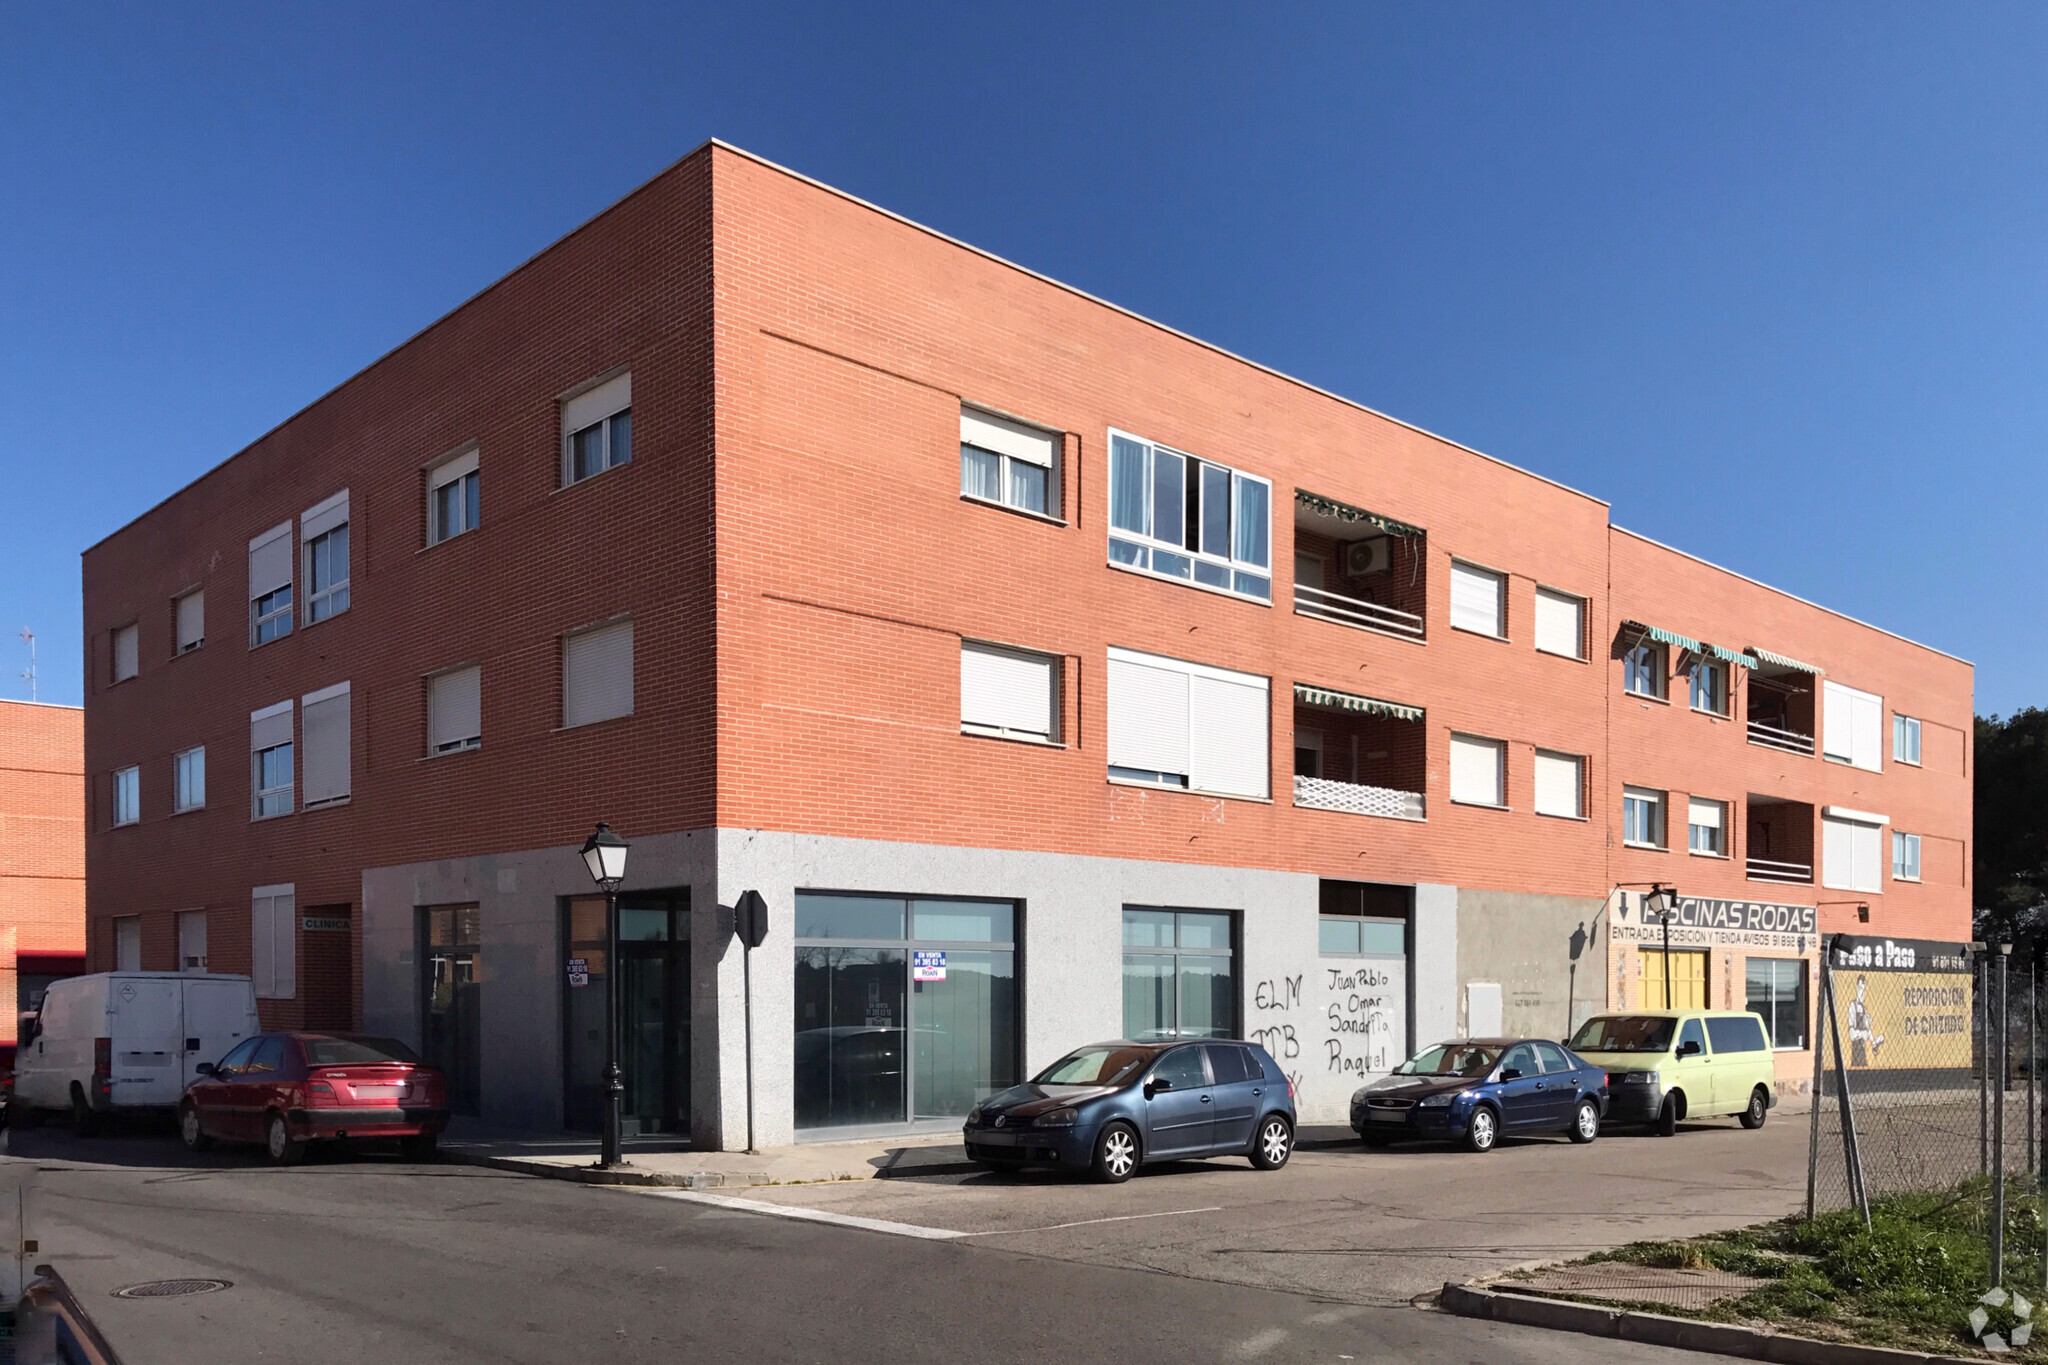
(1442,1101)
(974,1116)
(1054,1118)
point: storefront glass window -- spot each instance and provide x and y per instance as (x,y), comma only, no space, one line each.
(1180,976)
(1777,995)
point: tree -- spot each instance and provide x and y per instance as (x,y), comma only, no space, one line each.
(2010,861)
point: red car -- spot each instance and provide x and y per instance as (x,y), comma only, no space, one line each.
(285,1090)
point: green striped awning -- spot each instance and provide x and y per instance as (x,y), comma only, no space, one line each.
(1330,507)
(1731,656)
(1666,637)
(1780,661)
(1345,701)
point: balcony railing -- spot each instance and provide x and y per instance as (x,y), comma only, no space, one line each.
(1764,870)
(1357,799)
(1355,611)
(1771,737)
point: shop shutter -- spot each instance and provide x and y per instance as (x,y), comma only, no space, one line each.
(1229,721)
(986,431)
(594,405)
(454,709)
(191,621)
(597,674)
(1148,717)
(273,956)
(125,653)
(1476,770)
(1558,784)
(324,771)
(270,561)
(1475,599)
(1005,690)
(1559,623)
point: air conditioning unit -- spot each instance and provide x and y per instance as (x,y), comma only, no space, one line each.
(1362,557)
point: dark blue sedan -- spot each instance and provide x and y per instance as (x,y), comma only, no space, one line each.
(1110,1107)
(1478,1090)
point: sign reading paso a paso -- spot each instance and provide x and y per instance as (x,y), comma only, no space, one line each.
(1905,1003)
(1716,916)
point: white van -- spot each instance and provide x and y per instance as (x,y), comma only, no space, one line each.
(123,1042)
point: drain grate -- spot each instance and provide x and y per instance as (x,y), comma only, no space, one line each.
(170,1289)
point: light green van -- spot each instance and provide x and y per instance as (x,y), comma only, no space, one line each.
(1667,1065)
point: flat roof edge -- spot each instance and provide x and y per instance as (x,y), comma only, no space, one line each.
(1806,602)
(52,705)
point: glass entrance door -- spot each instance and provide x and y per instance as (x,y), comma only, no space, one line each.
(654,1014)
(451,974)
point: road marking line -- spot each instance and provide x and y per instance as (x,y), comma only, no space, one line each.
(810,1215)
(1087,1222)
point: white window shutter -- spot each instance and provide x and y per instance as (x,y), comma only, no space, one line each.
(594,405)
(1869,732)
(1004,690)
(273,957)
(1558,784)
(597,674)
(1228,725)
(1706,814)
(986,431)
(449,471)
(1869,857)
(1476,770)
(1148,717)
(1475,599)
(125,652)
(270,727)
(324,770)
(270,561)
(1559,623)
(324,516)
(191,619)
(454,708)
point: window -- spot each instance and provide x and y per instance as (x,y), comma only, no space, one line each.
(189,612)
(1706,827)
(1478,600)
(1905,857)
(1642,669)
(323,534)
(1177,724)
(125,652)
(1308,753)
(1007,462)
(1642,817)
(127,795)
(270,585)
(597,674)
(455,710)
(1728,1034)
(1905,740)
(192,940)
(188,772)
(1005,692)
(1777,995)
(1852,850)
(1560,784)
(273,942)
(128,943)
(270,760)
(1852,726)
(1477,771)
(453,494)
(597,429)
(324,723)
(1560,623)
(1710,687)
(1179,974)
(1176,516)
(1355,936)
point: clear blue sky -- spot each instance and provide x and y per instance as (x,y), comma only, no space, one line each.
(1771,279)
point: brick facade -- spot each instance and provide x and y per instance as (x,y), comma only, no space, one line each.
(42,845)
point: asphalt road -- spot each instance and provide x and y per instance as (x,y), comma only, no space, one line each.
(371,1259)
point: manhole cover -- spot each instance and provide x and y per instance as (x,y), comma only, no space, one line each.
(170,1289)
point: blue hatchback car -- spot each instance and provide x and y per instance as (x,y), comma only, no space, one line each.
(1478,1090)
(1110,1107)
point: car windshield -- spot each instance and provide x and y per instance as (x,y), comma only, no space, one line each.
(1450,1059)
(1096,1066)
(1624,1033)
(355,1051)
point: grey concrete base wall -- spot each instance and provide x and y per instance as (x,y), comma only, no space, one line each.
(1527,944)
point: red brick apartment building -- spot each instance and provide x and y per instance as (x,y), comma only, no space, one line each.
(1053,675)
(42,852)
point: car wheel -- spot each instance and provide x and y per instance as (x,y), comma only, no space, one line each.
(1585,1122)
(279,1145)
(1274,1144)
(1759,1109)
(1483,1131)
(84,1123)
(1667,1117)
(189,1129)
(1116,1154)
(420,1147)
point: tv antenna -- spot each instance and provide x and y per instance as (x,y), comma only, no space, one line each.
(28,637)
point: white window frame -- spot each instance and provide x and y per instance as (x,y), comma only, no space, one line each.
(1716,669)
(1202,762)
(318,527)
(280,799)
(1852,726)
(127,793)
(1905,843)
(1833,875)
(461,743)
(179,644)
(129,928)
(461,468)
(1655,802)
(1718,843)
(1500,598)
(598,403)
(1010,439)
(186,766)
(1578,765)
(278,613)
(1559,600)
(1659,669)
(126,640)
(1499,750)
(1144,543)
(1903,725)
(189,961)
(1050,663)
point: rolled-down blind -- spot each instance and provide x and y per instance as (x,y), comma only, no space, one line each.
(124,653)
(270,561)
(273,957)
(1558,628)
(597,674)
(1852,855)
(1007,691)
(1228,724)
(1706,814)
(454,709)
(1475,599)
(1557,784)
(191,619)
(270,727)
(1475,770)
(987,431)
(1869,731)
(324,767)
(324,516)
(447,473)
(1148,717)
(594,405)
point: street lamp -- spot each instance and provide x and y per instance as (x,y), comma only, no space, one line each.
(1663,903)
(604,853)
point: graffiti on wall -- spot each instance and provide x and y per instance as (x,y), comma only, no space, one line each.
(1363,1020)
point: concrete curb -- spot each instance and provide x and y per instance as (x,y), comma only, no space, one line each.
(591,1175)
(1687,1334)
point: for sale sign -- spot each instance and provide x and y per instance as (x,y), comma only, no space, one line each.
(927,966)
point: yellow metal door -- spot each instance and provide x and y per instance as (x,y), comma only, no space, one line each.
(1688,980)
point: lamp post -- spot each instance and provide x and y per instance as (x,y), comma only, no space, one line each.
(604,853)
(1663,903)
